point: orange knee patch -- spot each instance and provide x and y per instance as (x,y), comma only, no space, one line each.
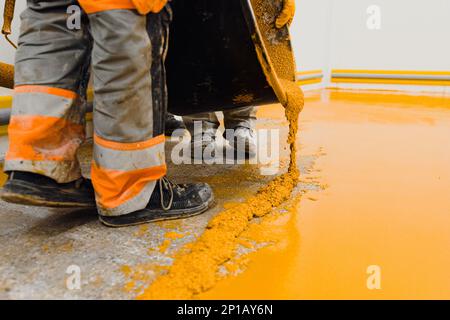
(113,187)
(43,138)
(116,187)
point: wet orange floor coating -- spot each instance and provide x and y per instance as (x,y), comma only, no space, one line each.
(387,204)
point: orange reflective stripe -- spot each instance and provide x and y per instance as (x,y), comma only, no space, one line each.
(47,90)
(93,6)
(43,138)
(113,188)
(129,146)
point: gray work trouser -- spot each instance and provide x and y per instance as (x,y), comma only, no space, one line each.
(48,116)
(233,118)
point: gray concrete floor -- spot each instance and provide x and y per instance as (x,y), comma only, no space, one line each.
(38,245)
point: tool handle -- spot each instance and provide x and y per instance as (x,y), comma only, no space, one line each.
(8,16)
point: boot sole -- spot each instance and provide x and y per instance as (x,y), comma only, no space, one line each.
(158,217)
(29,196)
(28,200)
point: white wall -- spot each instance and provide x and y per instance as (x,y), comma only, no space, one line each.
(413,36)
(311,34)
(333,34)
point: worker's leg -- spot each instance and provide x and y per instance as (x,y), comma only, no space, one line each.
(241,117)
(242,122)
(203,129)
(47,122)
(129,159)
(206,121)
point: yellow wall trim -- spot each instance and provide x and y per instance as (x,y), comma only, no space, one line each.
(392,72)
(5,102)
(309,77)
(310,72)
(311,81)
(402,77)
(393,81)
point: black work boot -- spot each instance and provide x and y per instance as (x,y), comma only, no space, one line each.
(37,190)
(173,124)
(169,201)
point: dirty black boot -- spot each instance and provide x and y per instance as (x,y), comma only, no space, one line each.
(169,201)
(36,190)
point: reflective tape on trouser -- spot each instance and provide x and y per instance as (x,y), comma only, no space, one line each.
(45,131)
(125,174)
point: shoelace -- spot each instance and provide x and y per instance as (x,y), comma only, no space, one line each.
(170,186)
